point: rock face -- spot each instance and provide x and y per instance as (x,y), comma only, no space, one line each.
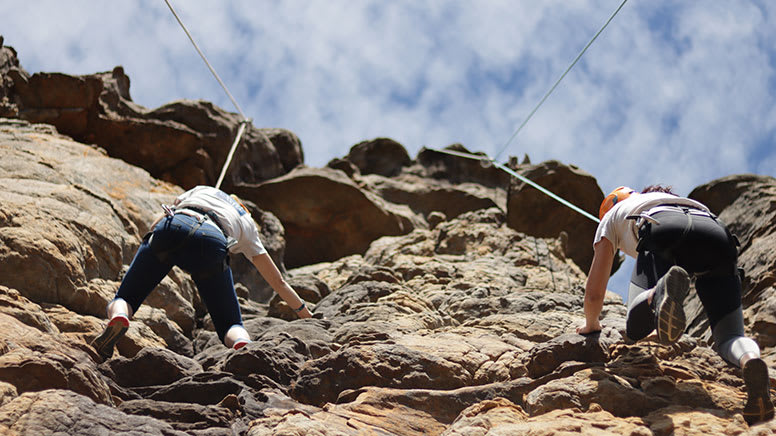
(748,204)
(325,214)
(185,142)
(443,310)
(533,212)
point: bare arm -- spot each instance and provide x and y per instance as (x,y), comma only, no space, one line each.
(595,288)
(271,274)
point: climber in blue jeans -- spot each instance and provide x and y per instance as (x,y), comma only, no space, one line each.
(673,239)
(199,231)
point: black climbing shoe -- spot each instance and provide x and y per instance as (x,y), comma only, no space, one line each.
(115,329)
(758,406)
(668,303)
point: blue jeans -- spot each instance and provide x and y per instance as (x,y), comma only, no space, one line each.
(202,253)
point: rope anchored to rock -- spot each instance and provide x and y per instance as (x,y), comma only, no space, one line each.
(484,159)
(245,120)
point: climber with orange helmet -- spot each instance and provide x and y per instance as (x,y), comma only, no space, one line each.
(673,239)
(197,233)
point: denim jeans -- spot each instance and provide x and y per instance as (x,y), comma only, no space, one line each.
(203,254)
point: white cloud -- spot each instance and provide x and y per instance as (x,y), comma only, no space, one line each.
(672,92)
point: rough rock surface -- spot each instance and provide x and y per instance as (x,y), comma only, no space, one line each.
(313,202)
(184,142)
(441,321)
(533,212)
(748,204)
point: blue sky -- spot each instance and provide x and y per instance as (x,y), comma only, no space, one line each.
(676,92)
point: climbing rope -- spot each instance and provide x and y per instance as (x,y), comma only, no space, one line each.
(485,160)
(547,94)
(245,120)
(228,161)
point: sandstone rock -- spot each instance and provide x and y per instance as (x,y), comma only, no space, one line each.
(372,410)
(344,165)
(276,357)
(461,326)
(501,417)
(426,196)
(90,224)
(32,360)
(13,304)
(185,417)
(528,208)
(184,142)
(547,356)
(592,386)
(169,331)
(208,388)
(7,393)
(56,412)
(382,156)
(8,61)
(150,367)
(326,215)
(436,165)
(745,203)
(383,364)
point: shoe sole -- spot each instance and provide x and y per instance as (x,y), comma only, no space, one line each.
(759,406)
(107,340)
(671,319)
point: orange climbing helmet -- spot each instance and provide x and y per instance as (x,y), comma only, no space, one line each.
(613,198)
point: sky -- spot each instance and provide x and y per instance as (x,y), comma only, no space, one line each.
(672,92)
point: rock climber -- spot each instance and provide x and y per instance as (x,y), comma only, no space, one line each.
(673,239)
(197,233)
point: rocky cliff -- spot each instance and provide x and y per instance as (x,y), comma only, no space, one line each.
(449,299)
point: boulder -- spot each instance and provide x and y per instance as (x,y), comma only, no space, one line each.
(15,305)
(33,360)
(326,215)
(8,61)
(66,229)
(745,204)
(546,356)
(59,411)
(456,170)
(535,213)
(500,416)
(382,156)
(150,367)
(186,417)
(184,142)
(425,196)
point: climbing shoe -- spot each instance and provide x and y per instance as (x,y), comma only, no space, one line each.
(668,303)
(240,343)
(758,406)
(115,329)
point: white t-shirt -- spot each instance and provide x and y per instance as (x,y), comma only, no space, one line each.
(235,220)
(623,232)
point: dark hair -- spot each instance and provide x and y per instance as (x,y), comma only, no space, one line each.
(658,188)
